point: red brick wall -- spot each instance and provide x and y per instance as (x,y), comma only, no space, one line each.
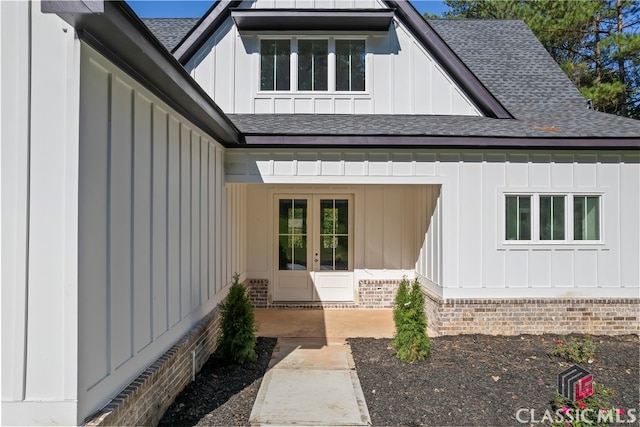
(146,399)
(597,316)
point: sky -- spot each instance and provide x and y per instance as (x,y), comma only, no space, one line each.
(197,8)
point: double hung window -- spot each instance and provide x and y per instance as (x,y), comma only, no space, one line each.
(544,218)
(318,64)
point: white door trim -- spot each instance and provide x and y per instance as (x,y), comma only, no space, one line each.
(312,284)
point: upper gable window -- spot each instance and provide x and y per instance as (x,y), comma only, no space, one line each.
(313,64)
(350,65)
(275,57)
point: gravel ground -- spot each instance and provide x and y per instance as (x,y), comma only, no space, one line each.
(469,380)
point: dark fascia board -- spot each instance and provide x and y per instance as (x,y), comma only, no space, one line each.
(425,141)
(200,32)
(489,105)
(123,38)
(312,19)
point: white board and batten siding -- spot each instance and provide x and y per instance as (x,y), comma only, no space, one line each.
(466,228)
(401,76)
(39,164)
(159,234)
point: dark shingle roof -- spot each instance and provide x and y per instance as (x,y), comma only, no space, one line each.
(507,59)
(590,124)
(170,31)
(510,61)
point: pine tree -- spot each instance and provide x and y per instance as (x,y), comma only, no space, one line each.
(596,43)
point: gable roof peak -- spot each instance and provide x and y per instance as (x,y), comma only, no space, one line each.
(404,12)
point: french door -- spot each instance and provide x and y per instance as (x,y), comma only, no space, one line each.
(314,248)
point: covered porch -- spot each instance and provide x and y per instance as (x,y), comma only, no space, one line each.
(337,246)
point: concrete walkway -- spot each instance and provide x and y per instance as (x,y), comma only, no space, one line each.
(312,378)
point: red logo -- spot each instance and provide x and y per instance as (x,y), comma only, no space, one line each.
(575,383)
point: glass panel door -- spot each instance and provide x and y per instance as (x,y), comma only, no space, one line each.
(292,234)
(334,234)
(313,248)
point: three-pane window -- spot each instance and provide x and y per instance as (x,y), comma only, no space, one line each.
(552,217)
(314,58)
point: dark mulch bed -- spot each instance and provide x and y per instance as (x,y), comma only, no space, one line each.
(222,394)
(480,380)
(469,380)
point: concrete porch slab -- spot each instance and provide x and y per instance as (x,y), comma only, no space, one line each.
(327,323)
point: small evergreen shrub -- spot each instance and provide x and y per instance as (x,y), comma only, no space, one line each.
(574,350)
(237,340)
(401,301)
(411,341)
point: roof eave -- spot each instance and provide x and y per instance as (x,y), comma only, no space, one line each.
(435,141)
(212,19)
(114,30)
(312,19)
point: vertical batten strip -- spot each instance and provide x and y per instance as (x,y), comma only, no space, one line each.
(152,284)
(194,256)
(211,220)
(174,221)
(219,191)
(132,223)
(204,224)
(185,221)
(108,290)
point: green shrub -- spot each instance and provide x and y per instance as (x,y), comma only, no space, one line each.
(401,301)
(411,341)
(574,350)
(237,341)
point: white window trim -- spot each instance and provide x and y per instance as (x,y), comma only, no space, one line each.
(331,65)
(536,242)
